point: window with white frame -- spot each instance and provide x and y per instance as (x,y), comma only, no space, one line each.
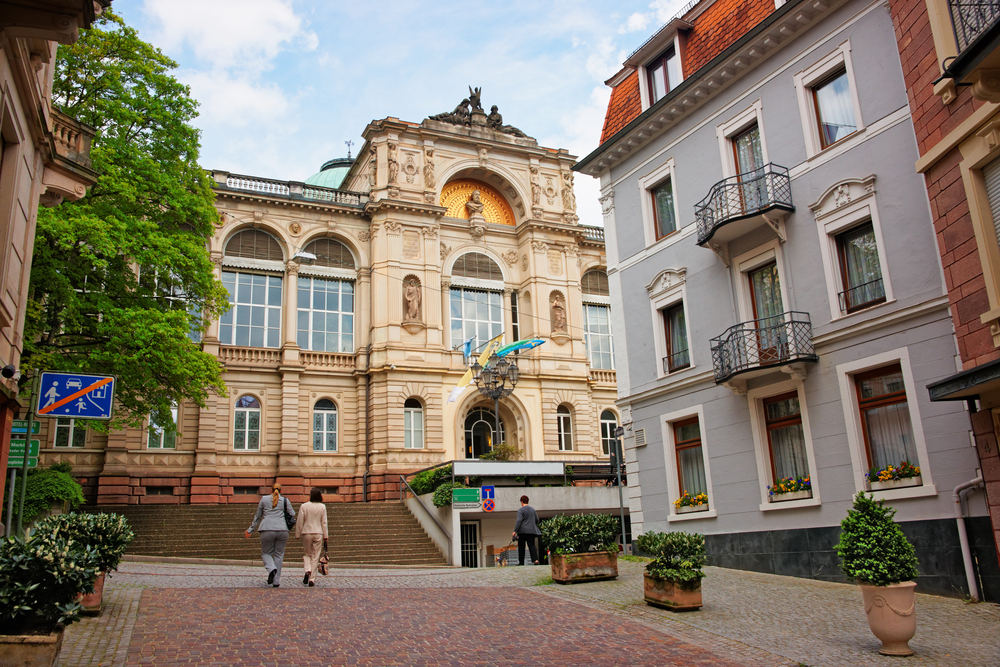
(670,327)
(609,424)
(860,271)
(565,426)
(413,424)
(475,313)
(885,418)
(70,433)
(597,318)
(246,424)
(254,317)
(828,101)
(163,436)
(324,426)
(786,442)
(743,150)
(675,334)
(657,191)
(663,74)
(325,315)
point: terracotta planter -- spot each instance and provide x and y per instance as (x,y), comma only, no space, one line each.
(896,483)
(31,650)
(666,594)
(590,566)
(692,508)
(892,615)
(92,601)
(792,495)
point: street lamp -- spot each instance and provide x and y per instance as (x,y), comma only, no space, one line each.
(495,380)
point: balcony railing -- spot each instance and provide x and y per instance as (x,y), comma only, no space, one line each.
(593,233)
(764,343)
(742,196)
(72,138)
(676,361)
(291,189)
(862,296)
(971,18)
(250,356)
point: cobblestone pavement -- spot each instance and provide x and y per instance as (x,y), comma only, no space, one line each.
(498,616)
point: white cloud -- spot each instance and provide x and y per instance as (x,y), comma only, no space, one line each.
(635,23)
(224,34)
(603,62)
(235,102)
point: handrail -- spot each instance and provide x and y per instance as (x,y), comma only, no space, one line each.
(742,196)
(762,343)
(424,507)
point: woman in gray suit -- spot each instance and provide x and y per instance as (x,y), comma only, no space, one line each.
(270,518)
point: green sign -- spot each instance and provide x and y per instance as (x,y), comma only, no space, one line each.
(21,426)
(17,448)
(18,462)
(465,499)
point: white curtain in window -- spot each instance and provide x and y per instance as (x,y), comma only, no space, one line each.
(679,356)
(836,111)
(692,471)
(864,275)
(890,435)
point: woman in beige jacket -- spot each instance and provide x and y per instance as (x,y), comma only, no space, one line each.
(312,527)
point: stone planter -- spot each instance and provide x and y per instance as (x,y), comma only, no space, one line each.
(666,594)
(896,483)
(590,566)
(92,601)
(692,508)
(31,650)
(892,616)
(793,495)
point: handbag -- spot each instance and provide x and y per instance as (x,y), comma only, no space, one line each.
(324,563)
(289,517)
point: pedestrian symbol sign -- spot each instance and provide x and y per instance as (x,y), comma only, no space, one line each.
(75,395)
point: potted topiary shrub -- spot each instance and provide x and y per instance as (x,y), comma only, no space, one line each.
(108,534)
(41,577)
(877,555)
(673,578)
(582,547)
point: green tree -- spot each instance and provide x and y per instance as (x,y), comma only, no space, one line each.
(121,278)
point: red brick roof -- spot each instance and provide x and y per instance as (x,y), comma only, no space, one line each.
(714,31)
(624,106)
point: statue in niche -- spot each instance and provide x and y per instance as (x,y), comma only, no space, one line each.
(569,199)
(558,315)
(429,168)
(536,188)
(393,163)
(411,296)
(373,168)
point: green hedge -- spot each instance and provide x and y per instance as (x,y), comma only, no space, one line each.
(577,533)
(107,533)
(872,548)
(678,557)
(429,480)
(46,486)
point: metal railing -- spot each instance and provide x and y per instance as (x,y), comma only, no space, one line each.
(772,341)
(676,361)
(292,189)
(861,296)
(593,233)
(971,19)
(741,196)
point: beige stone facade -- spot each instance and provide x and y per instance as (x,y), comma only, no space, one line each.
(397,244)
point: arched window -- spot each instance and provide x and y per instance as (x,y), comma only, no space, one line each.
(476,311)
(324,426)
(254,244)
(254,317)
(597,319)
(565,420)
(476,265)
(609,422)
(331,253)
(246,424)
(413,424)
(479,427)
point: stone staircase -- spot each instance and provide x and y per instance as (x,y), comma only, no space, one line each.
(360,533)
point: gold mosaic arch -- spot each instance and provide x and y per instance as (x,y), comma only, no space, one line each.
(495,207)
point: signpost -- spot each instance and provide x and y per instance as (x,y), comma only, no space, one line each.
(616,461)
(21,426)
(17,448)
(76,396)
(489,498)
(465,499)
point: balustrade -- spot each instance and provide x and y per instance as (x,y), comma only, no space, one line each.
(971,19)
(764,343)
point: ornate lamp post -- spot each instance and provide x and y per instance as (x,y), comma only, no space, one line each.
(495,380)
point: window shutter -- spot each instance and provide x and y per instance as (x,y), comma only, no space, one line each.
(640,437)
(991,174)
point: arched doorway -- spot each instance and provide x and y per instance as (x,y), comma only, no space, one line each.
(480,425)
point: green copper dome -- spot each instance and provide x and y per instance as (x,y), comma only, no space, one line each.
(332,173)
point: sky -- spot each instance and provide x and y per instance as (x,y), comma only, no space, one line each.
(282,84)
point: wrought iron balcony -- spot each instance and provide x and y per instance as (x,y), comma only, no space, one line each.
(764,343)
(977,34)
(971,19)
(743,198)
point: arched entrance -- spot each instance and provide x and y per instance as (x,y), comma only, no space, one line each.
(480,426)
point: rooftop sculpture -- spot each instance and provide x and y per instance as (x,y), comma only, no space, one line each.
(470,112)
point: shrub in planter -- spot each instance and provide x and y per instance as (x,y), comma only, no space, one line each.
(429,480)
(46,486)
(107,533)
(502,452)
(442,494)
(582,546)
(673,577)
(875,553)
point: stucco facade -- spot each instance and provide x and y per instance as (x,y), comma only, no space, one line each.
(753,272)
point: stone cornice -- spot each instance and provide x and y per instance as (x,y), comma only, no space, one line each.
(381,205)
(308,205)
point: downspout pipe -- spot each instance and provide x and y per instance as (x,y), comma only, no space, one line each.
(963,536)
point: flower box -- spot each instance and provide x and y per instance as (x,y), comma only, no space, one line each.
(791,495)
(666,594)
(896,483)
(31,650)
(692,508)
(589,566)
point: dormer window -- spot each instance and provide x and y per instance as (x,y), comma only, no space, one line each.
(664,73)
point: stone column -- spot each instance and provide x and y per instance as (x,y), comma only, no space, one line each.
(289,306)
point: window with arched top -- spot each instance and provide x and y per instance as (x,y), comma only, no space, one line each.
(324,426)
(565,425)
(480,427)
(476,311)
(476,265)
(609,423)
(331,253)
(413,424)
(597,319)
(595,282)
(246,424)
(254,244)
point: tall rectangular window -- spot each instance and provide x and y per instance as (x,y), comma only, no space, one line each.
(675,330)
(565,428)
(475,313)
(785,438)
(860,269)
(597,335)
(690,461)
(254,317)
(664,73)
(885,417)
(325,315)
(514,320)
(609,424)
(163,436)
(413,424)
(834,109)
(663,209)
(70,433)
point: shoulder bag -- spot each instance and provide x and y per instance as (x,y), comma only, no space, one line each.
(289,517)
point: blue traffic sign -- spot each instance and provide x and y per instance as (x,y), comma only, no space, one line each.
(76,396)
(488,492)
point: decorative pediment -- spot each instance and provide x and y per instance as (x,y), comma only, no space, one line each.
(666,280)
(843,193)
